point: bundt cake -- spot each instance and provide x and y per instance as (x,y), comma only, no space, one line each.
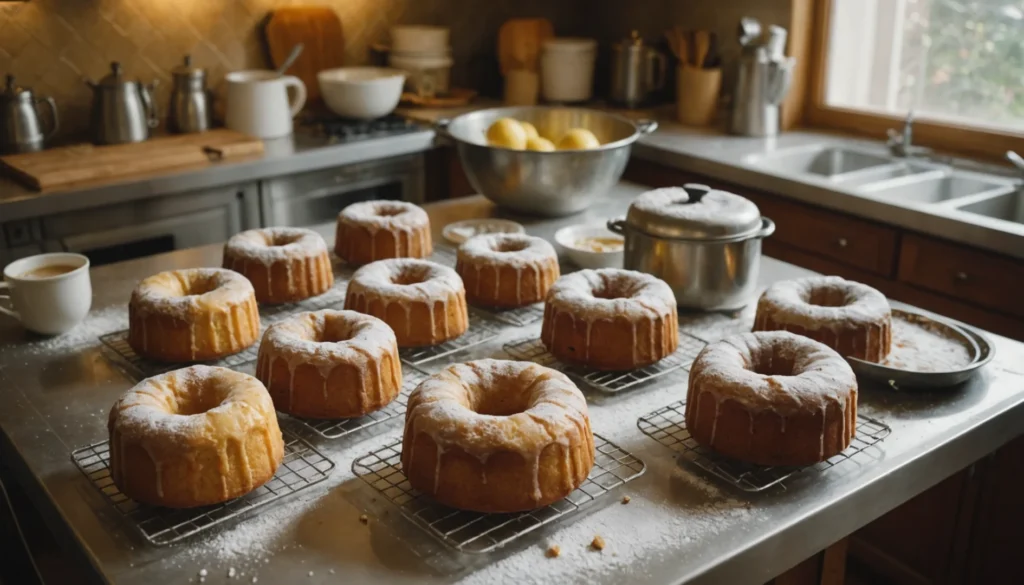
(772,398)
(610,319)
(497,436)
(423,302)
(506,270)
(851,318)
(194,437)
(284,265)
(374,230)
(330,364)
(192,315)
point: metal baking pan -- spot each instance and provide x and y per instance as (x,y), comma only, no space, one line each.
(979,351)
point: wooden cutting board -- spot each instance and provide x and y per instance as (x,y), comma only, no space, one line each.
(319,29)
(84,163)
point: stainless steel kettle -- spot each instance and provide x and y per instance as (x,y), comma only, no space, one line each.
(191,108)
(21,129)
(122,111)
(637,70)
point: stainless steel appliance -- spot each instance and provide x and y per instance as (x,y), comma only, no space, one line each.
(705,244)
(317,196)
(637,70)
(21,127)
(122,111)
(763,78)
(545,183)
(191,106)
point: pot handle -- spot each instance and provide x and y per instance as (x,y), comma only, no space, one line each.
(617,225)
(767,228)
(646,126)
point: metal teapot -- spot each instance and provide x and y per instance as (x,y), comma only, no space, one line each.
(122,111)
(21,129)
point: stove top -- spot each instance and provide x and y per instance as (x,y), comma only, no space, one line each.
(348,130)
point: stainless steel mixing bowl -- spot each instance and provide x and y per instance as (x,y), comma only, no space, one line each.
(555,183)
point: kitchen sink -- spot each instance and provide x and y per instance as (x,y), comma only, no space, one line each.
(1007,207)
(826,161)
(931,189)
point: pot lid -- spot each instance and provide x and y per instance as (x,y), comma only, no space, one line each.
(695,212)
(113,79)
(14,93)
(186,69)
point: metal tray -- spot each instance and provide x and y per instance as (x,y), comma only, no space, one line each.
(980,352)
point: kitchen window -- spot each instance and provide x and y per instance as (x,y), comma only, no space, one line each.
(958,64)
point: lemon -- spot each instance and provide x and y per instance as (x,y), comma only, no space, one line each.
(531,130)
(539,144)
(507,133)
(578,139)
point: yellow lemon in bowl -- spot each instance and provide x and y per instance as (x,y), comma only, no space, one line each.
(531,130)
(539,144)
(507,133)
(578,139)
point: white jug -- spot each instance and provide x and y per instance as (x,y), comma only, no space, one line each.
(258,104)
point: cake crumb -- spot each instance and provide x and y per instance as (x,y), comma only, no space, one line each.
(597,543)
(311,573)
(625,499)
(255,578)
(364,519)
(331,571)
(203,573)
(231,572)
(553,551)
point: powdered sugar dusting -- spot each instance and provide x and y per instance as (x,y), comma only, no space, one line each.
(272,244)
(919,348)
(96,323)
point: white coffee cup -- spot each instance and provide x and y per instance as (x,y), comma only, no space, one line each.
(48,304)
(258,104)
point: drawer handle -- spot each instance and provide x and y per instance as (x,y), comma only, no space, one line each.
(842,242)
(960,276)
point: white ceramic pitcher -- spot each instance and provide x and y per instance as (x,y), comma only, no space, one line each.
(258,104)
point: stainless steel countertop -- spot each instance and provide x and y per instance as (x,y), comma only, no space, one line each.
(677,528)
(300,152)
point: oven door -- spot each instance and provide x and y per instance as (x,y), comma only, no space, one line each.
(316,197)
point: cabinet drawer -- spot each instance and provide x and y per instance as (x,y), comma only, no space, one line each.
(847,240)
(979,277)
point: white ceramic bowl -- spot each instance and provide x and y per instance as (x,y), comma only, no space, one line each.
(416,38)
(361,92)
(568,236)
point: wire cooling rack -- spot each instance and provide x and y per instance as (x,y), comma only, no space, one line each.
(343,427)
(667,425)
(533,349)
(475,532)
(520,316)
(482,328)
(712,327)
(302,467)
(139,368)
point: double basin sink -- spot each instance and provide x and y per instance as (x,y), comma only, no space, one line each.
(899,180)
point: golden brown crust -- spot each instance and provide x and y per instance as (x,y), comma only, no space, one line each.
(376,230)
(507,270)
(193,315)
(194,437)
(284,265)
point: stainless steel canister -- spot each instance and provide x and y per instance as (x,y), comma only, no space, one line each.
(705,244)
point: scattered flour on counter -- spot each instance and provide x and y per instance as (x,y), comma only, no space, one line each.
(96,323)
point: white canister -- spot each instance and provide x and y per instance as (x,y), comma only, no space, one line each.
(412,38)
(567,69)
(50,293)
(428,75)
(258,102)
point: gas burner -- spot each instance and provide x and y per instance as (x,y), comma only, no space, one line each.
(346,130)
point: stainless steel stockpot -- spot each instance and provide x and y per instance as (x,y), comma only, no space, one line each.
(705,244)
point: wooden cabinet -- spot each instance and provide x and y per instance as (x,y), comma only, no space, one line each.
(983,278)
(964,283)
(445,177)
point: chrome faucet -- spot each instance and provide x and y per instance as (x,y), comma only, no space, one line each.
(901,144)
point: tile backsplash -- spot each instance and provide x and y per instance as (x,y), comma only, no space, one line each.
(53,45)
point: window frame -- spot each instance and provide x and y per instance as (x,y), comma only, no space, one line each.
(940,135)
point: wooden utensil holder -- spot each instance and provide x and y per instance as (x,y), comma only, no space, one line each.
(697,95)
